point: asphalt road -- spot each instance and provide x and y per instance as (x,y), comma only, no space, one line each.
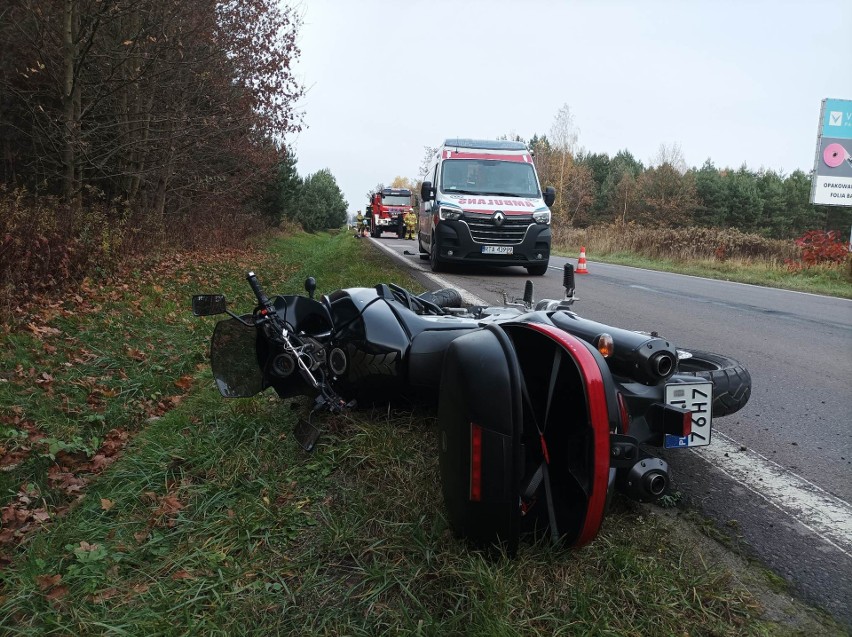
(777,474)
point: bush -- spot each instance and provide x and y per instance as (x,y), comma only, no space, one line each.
(682,244)
(819,247)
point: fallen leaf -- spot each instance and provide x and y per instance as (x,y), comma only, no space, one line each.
(136,354)
(107,504)
(57,593)
(184,382)
(105,595)
(182,574)
(46,581)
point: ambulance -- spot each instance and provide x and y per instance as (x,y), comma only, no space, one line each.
(481,203)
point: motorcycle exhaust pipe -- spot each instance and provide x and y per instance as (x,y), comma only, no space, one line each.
(647,359)
(645,481)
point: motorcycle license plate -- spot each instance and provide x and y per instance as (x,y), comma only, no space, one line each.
(497,249)
(697,398)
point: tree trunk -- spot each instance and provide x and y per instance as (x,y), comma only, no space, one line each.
(70,105)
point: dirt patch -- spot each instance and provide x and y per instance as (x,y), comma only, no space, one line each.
(778,604)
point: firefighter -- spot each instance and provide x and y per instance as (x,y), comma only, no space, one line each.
(359,219)
(410,221)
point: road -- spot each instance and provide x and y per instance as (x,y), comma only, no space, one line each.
(778,472)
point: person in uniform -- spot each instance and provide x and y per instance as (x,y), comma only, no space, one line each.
(410,223)
(359,221)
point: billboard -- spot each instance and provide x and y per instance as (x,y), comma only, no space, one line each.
(832,177)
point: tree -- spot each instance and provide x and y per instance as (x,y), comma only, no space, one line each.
(745,205)
(667,198)
(428,155)
(321,204)
(282,197)
(167,106)
(618,190)
(672,155)
(599,166)
(564,135)
(775,220)
(710,188)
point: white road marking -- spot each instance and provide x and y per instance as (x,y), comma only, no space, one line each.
(467,297)
(825,515)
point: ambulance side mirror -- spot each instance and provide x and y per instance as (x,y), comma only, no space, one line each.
(549,196)
(427,193)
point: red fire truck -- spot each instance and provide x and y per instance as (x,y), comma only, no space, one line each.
(388,209)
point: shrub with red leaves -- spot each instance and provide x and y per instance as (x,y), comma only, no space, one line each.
(820,247)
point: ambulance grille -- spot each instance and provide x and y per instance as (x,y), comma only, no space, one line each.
(511,232)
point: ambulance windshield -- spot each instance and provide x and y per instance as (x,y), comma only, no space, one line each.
(489,177)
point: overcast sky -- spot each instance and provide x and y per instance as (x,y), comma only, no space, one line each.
(736,82)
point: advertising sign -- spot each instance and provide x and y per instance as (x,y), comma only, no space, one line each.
(832,178)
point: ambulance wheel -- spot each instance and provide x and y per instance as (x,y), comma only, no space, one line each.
(537,270)
(435,262)
(423,254)
(731,380)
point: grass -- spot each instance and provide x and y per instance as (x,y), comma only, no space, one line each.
(831,281)
(210,520)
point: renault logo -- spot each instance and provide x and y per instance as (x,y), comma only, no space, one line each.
(499,218)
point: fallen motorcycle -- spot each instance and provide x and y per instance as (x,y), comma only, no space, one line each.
(541,414)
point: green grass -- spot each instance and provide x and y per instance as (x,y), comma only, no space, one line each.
(834,281)
(213,521)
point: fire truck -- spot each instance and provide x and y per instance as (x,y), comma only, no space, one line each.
(387,211)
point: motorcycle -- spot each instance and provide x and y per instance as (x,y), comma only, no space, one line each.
(542,414)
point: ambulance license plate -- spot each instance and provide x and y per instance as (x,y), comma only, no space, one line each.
(497,249)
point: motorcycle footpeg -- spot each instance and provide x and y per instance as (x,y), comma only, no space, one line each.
(306,434)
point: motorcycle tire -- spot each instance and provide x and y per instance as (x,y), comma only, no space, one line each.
(445,297)
(731,381)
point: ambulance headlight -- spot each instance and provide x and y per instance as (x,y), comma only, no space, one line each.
(450,214)
(542,217)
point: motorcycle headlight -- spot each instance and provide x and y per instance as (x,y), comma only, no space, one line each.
(450,214)
(542,217)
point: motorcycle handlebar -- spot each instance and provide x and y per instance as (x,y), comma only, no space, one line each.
(258,291)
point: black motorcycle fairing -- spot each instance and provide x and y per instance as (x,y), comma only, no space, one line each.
(372,343)
(233,359)
(426,355)
(303,314)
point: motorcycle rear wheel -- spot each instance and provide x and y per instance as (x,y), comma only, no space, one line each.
(731,380)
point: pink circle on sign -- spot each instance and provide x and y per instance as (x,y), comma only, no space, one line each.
(833,155)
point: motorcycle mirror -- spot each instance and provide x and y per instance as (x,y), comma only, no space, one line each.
(310,286)
(209,304)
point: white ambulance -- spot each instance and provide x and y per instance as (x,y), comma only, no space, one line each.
(481,203)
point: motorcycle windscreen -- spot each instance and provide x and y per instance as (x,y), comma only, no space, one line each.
(480,417)
(233,359)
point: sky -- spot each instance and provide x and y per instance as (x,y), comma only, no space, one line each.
(734,82)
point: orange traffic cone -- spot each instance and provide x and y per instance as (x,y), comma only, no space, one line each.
(581,262)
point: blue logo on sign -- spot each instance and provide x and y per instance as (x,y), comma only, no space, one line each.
(837,118)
